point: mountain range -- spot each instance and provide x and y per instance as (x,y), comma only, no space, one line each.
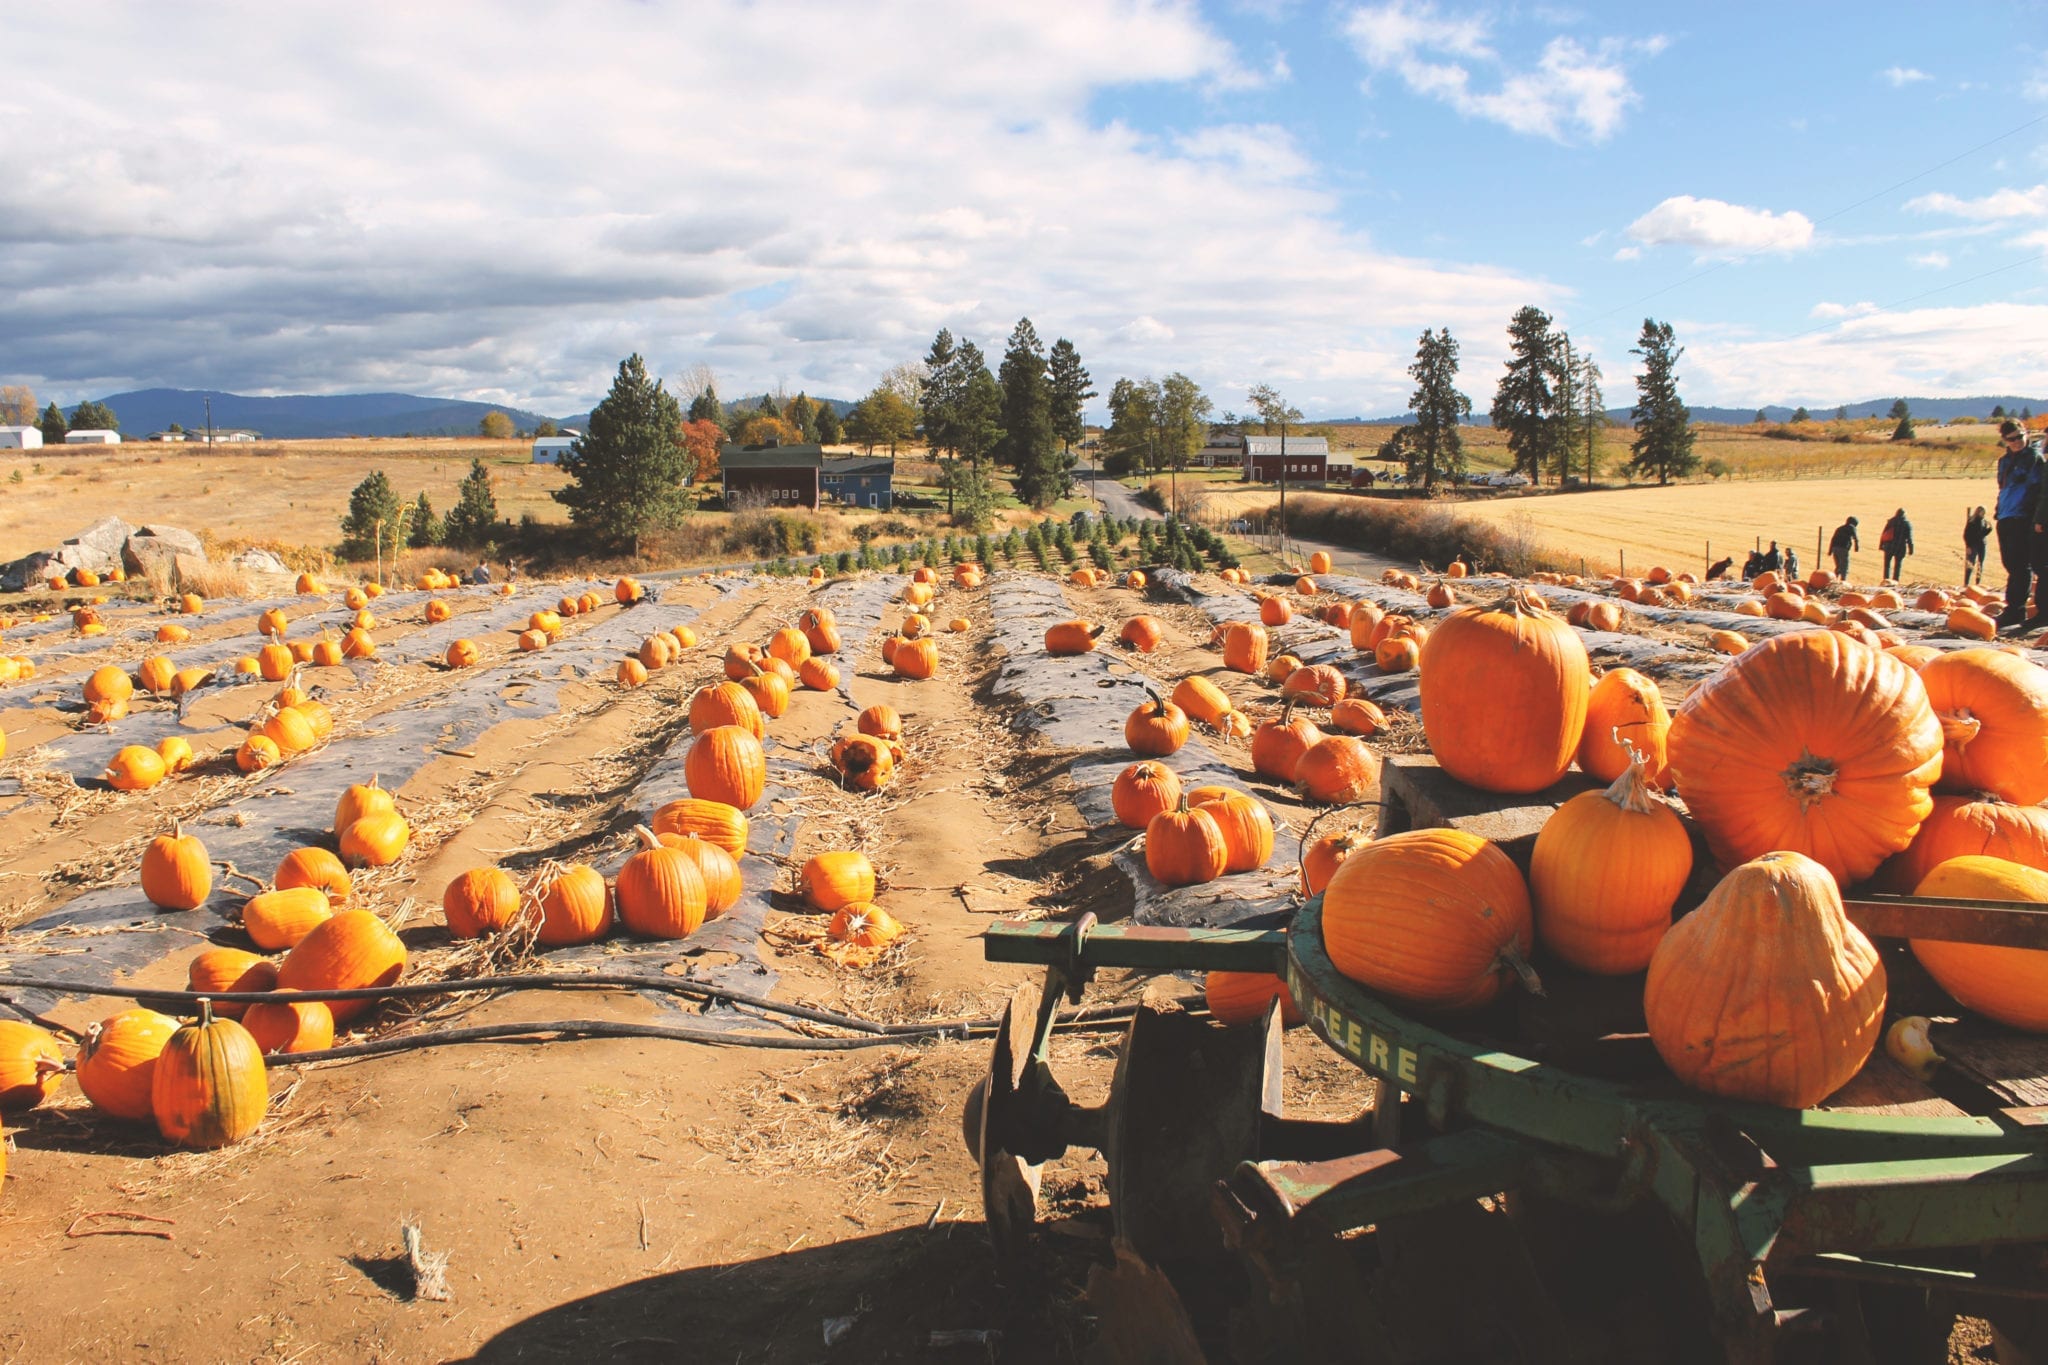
(1923,410)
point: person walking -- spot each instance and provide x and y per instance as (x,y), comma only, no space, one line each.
(1976,534)
(1840,543)
(1791,565)
(2019,488)
(1895,543)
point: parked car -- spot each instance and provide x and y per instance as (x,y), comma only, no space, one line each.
(1239,527)
(1506,479)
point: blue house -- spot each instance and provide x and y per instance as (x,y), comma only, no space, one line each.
(860,481)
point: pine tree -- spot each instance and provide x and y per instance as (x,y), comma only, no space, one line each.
(475,513)
(802,414)
(53,425)
(92,416)
(1997,411)
(980,427)
(1801,415)
(371,528)
(1434,447)
(830,432)
(1070,390)
(1592,411)
(1028,442)
(423,528)
(626,473)
(705,407)
(1663,444)
(938,402)
(1526,405)
(1900,412)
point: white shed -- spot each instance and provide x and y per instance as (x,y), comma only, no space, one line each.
(551,449)
(21,438)
(92,437)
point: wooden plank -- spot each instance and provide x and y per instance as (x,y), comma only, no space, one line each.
(1882,1088)
(2013,1066)
(2009,924)
(1417,794)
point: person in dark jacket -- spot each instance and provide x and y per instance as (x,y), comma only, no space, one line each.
(1720,568)
(1840,543)
(2019,489)
(1772,561)
(1752,565)
(1976,534)
(1895,544)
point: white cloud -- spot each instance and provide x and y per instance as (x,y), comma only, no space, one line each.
(1994,207)
(1929,350)
(1628,253)
(1714,227)
(1931,260)
(1842,310)
(365,213)
(1900,76)
(1572,90)
(2032,241)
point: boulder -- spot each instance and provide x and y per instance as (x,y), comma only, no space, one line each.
(261,561)
(32,571)
(186,542)
(187,570)
(99,544)
(142,554)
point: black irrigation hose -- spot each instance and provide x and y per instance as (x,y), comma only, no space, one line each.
(580,1028)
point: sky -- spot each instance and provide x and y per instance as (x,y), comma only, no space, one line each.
(499,202)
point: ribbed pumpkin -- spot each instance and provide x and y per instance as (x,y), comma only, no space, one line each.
(1434,918)
(230,969)
(770,691)
(437,611)
(1767,992)
(1185,846)
(1142,791)
(720,871)
(135,768)
(655,651)
(480,901)
(1202,700)
(712,821)
(117,1061)
(314,867)
(1324,854)
(863,926)
(278,920)
(821,632)
(1243,997)
(1315,685)
(575,905)
(108,683)
(1277,745)
(1624,711)
(726,703)
(1811,743)
(818,674)
(1606,870)
(1337,770)
(1993,710)
(1275,611)
(880,721)
(1397,654)
(290,731)
(176,873)
(209,1088)
(376,840)
(659,892)
(1244,648)
(1244,822)
(632,673)
(1156,727)
(156,673)
(1504,695)
(836,878)
(294,1026)
(30,1066)
(1964,826)
(1142,633)
(726,763)
(1358,716)
(917,658)
(353,950)
(2006,984)
(359,800)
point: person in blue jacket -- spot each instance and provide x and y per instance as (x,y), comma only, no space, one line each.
(2019,521)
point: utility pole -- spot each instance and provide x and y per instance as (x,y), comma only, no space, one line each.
(209,422)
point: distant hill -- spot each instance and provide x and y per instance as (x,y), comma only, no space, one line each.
(1924,409)
(307,416)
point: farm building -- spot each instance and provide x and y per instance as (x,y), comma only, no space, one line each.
(780,476)
(166,436)
(21,438)
(551,449)
(90,437)
(859,481)
(1305,460)
(1222,450)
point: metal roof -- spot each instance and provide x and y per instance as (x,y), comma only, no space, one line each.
(1296,445)
(859,464)
(771,457)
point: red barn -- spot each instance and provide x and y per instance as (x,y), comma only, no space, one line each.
(1306,460)
(778,476)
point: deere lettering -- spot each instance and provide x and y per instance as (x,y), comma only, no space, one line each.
(1361,1044)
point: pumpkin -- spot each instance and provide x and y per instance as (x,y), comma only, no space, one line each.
(293,1026)
(325,652)
(1961,826)
(1727,641)
(531,641)
(108,684)
(1156,727)
(156,673)
(176,874)
(1435,918)
(2006,984)
(1606,870)
(1397,654)
(1244,822)
(357,644)
(574,904)
(1142,633)
(821,632)
(726,703)
(117,1061)
(719,870)
(632,673)
(135,768)
(1358,716)
(655,651)
(1277,745)
(1244,648)
(1811,743)
(314,867)
(30,1066)
(627,591)
(481,901)
(230,969)
(1142,791)
(1993,710)
(548,623)
(917,658)
(191,604)
(1624,711)
(828,881)
(684,637)
(863,762)
(278,920)
(1365,618)
(863,926)
(361,799)
(1767,992)
(1337,770)
(355,599)
(1504,695)
(1972,624)
(714,822)
(352,950)
(208,1088)
(1315,685)
(1243,998)
(818,674)
(1280,666)
(1202,700)
(1275,611)
(376,840)
(1185,846)
(1323,855)
(914,625)
(770,691)
(726,764)
(1071,637)
(1319,562)
(889,645)
(659,892)
(880,721)
(174,750)
(290,730)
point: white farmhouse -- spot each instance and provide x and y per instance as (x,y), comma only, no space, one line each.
(551,449)
(92,437)
(21,438)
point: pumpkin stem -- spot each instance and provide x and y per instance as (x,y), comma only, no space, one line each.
(1809,779)
(1632,791)
(1958,728)
(205,1013)
(1511,958)
(647,837)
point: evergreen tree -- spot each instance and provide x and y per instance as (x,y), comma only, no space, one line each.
(1842,413)
(1900,412)
(626,474)
(980,426)
(938,402)
(1760,418)
(1592,410)
(1997,411)
(1070,390)
(371,528)
(1434,448)
(1028,442)
(1526,405)
(475,513)
(92,416)
(802,414)
(423,528)
(1904,430)
(1663,444)
(1801,415)
(53,425)
(768,407)
(704,405)
(830,431)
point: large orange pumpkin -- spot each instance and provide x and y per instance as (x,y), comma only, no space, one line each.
(1337,770)
(117,1061)
(1243,997)
(480,901)
(1142,791)
(1203,700)
(1184,847)
(230,969)
(723,884)
(726,703)
(1767,992)
(1504,695)
(2006,984)
(176,873)
(1435,918)
(209,1088)
(659,891)
(292,1026)
(30,1065)
(574,903)
(1277,745)
(1244,822)
(1809,742)
(1155,727)
(714,822)
(1624,711)
(1606,870)
(1244,647)
(916,658)
(726,764)
(278,920)
(840,877)
(1961,826)
(353,950)
(1993,709)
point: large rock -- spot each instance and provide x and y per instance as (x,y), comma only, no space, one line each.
(186,542)
(100,544)
(31,571)
(261,561)
(144,554)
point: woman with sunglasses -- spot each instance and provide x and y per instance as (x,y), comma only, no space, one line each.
(2022,542)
